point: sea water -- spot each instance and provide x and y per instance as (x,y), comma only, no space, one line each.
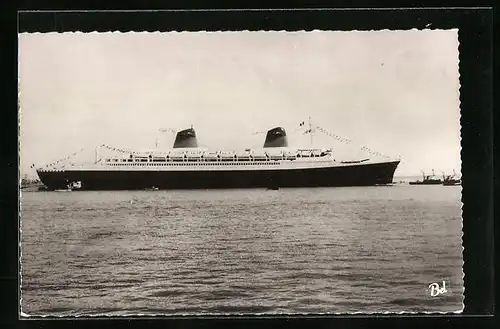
(251,251)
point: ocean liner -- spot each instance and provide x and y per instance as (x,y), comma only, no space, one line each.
(188,166)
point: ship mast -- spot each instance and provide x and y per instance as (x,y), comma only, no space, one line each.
(310,132)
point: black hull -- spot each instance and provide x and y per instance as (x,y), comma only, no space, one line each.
(356,175)
(451,183)
(427,183)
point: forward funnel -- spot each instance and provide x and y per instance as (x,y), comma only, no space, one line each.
(186,138)
(276,137)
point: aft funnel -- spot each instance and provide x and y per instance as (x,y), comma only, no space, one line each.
(186,138)
(276,137)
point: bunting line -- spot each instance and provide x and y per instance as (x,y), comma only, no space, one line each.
(341,139)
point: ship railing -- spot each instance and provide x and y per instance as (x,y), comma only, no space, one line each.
(243,154)
(177,159)
(227,155)
(276,157)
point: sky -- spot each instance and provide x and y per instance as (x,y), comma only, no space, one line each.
(396,92)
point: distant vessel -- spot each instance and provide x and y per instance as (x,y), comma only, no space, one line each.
(427,180)
(70,186)
(188,166)
(451,180)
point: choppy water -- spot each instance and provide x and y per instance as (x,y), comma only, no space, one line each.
(322,250)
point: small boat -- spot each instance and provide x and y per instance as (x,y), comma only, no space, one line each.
(70,186)
(428,180)
(152,188)
(273,188)
(451,180)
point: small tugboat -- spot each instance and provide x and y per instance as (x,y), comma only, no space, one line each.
(451,180)
(428,180)
(70,186)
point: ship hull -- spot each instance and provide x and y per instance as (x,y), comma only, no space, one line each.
(432,182)
(355,175)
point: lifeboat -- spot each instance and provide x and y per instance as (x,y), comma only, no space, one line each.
(275,155)
(211,156)
(227,155)
(177,156)
(244,156)
(289,155)
(259,155)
